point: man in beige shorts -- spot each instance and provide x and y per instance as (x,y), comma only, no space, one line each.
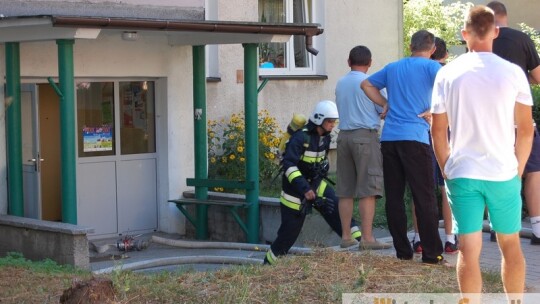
(359,158)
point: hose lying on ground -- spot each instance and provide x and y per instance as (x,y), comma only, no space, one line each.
(222,245)
(160,262)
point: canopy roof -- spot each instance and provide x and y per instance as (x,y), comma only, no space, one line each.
(178,32)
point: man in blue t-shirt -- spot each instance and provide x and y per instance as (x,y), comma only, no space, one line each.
(405,145)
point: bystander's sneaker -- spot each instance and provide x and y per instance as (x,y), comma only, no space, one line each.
(440,261)
(417,246)
(451,248)
(492,236)
(535,240)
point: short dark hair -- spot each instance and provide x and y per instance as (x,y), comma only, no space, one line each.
(440,51)
(497,7)
(480,20)
(422,41)
(359,55)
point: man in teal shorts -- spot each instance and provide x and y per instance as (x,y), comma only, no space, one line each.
(481,96)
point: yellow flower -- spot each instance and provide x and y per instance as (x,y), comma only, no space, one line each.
(240,149)
(213,160)
(231,136)
(232,157)
(242,159)
(224,159)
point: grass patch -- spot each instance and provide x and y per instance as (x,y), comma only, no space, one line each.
(320,278)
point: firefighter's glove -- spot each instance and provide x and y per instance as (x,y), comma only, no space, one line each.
(306,207)
(324,205)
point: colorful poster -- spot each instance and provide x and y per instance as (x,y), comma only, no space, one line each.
(97,138)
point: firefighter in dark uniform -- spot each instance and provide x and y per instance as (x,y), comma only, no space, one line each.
(304,183)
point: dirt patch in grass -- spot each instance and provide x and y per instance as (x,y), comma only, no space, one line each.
(319,278)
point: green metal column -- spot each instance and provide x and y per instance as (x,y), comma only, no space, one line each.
(13,130)
(201,144)
(67,131)
(252,139)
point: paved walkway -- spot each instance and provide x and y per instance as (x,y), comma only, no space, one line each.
(490,258)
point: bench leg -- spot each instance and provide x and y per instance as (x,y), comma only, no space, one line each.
(187,215)
(234,212)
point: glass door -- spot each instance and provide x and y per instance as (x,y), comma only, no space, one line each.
(117,164)
(30,151)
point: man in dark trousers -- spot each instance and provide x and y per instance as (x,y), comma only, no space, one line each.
(516,47)
(405,145)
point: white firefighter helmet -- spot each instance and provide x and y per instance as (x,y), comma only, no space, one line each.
(323,110)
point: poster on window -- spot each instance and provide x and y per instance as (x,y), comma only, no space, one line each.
(97,138)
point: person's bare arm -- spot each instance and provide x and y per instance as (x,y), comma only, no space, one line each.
(534,75)
(373,93)
(439,135)
(427,116)
(524,134)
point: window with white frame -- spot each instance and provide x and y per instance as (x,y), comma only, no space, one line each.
(291,57)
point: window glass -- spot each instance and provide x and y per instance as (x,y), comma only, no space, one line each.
(137,123)
(285,57)
(95,119)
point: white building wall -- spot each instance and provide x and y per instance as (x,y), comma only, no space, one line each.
(375,24)
(182,3)
(519,11)
(346,24)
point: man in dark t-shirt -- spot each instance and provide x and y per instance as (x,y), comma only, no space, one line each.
(517,47)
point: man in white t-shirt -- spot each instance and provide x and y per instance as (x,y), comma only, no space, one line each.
(482,98)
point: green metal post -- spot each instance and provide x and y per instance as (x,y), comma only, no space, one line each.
(14,131)
(67,131)
(201,144)
(252,139)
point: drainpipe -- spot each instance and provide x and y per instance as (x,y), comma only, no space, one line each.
(201,144)
(252,140)
(67,131)
(14,133)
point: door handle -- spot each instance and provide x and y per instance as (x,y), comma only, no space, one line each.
(37,165)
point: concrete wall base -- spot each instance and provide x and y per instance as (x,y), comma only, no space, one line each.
(38,240)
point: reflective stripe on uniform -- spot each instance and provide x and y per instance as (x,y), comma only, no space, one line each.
(313,157)
(292,173)
(355,232)
(290,201)
(270,257)
(321,188)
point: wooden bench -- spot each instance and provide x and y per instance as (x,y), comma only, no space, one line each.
(232,205)
(188,198)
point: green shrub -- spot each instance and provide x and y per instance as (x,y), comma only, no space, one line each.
(443,19)
(226,149)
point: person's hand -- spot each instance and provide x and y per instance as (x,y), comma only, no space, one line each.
(325,206)
(384,112)
(426,116)
(310,195)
